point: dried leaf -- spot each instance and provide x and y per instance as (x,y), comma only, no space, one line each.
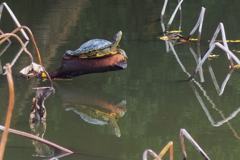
(32,70)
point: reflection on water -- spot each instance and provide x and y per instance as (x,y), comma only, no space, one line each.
(38,110)
(41,149)
(37,121)
(197,57)
(93,106)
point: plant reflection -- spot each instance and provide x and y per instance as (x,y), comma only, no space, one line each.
(94,107)
(38,110)
(42,150)
(220,92)
(198,58)
(16,56)
(37,121)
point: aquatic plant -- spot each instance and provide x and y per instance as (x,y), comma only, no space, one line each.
(38,110)
(169,146)
(7,128)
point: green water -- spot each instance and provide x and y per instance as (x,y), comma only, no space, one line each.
(159,102)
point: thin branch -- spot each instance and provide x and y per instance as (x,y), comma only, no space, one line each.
(50,79)
(17,55)
(183,132)
(32,39)
(198,25)
(173,15)
(13,17)
(10,109)
(20,41)
(37,139)
(169,147)
(150,152)
(228,52)
(163,9)
(221,27)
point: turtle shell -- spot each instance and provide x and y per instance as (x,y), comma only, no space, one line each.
(90,48)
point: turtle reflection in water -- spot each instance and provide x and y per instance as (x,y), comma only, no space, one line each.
(98,48)
(100,116)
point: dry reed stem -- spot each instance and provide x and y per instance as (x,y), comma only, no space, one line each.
(28,135)
(169,147)
(174,13)
(228,52)
(198,25)
(9,111)
(20,41)
(58,156)
(183,133)
(224,40)
(32,39)
(150,152)
(17,55)
(13,17)
(50,79)
(163,9)
(180,11)
(1,32)
(5,48)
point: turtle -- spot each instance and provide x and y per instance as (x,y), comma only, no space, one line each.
(98,48)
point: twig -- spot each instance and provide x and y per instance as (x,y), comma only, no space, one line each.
(174,13)
(221,27)
(198,24)
(197,58)
(37,139)
(163,9)
(17,55)
(58,156)
(50,79)
(9,112)
(169,147)
(13,17)
(20,41)
(1,32)
(180,11)
(149,151)
(32,39)
(228,52)
(183,132)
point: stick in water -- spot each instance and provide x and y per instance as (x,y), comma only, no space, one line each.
(28,135)
(183,132)
(9,112)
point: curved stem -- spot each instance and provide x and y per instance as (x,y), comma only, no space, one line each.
(50,79)
(20,41)
(10,109)
(28,135)
(32,39)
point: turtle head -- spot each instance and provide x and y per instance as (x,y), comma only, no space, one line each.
(117,37)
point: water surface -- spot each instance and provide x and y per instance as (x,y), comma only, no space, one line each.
(159,102)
